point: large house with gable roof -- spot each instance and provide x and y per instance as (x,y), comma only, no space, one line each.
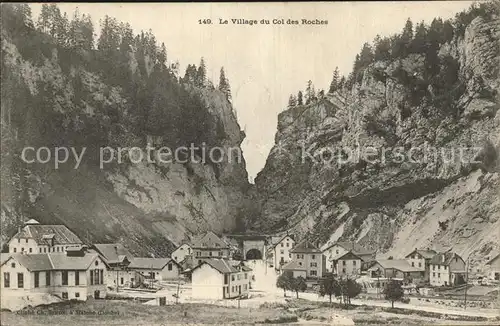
(220,279)
(307,261)
(77,273)
(36,238)
(209,245)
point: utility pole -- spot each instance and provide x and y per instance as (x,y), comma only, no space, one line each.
(117,287)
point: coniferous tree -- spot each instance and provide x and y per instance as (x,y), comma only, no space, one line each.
(224,84)
(335,81)
(201,74)
(44,19)
(300,100)
(292,101)
(309,92)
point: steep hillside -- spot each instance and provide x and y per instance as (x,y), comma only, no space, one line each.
(327,176)
(58,90)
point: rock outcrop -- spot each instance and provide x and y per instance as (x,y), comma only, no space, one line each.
(371,165)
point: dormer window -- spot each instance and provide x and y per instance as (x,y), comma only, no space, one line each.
(26,240)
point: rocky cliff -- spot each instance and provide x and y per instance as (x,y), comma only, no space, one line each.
(371,163)
(54,96)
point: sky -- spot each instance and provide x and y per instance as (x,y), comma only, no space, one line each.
(266,63)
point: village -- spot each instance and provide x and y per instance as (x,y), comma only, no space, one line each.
(51,261)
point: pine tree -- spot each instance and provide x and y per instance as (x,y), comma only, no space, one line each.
(201,75)
(309,92)
(162,55)
(300,100)
(292,101)
(224,84)
(342,83)
(335,81)
(44,19)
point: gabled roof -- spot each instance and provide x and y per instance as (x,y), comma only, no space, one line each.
(278,241)
(221,265)
(293,266)
(305,247)
(150,263)
(427,253)
(54,261)
(43,233)
(113,252)
(351,246)
(209,241)
(31,221)
(399,264)
(444,258)
(349,255)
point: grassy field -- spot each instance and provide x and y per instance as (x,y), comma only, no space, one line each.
(107,312)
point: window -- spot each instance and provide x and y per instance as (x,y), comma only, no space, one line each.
(232,277)
(226,278)
(343,270)
(337,251)
(433,267)
(18,240)
(433,274)
(282,252)
(344,262)
(419,264)
(13,265)
(31,250)
(282,245)
(77,294)
(26,240)
(57,249)
(91,277)
(121,280)
(239,277)
(300,263)
(47,278)
(289,255)
(287,245)
(210,254)
(96,262)
(6,280)
(22,249)
(40,250)
(439,275)
(313,256)
(412,264)
(65,295)
(20,280)
(220,253)
(37,279)
(439,267)
(44,250)
(15,249)
(444,267)
(64,277)
(314,273)
(353,263)
(169,266)
(246,276)
(244,286)
(314,265)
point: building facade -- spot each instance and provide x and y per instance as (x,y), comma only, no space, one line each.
(66,275)
(348,265)
(493,268)
(160,269)
(308,256)
(220,279)
(279,252)
(447,269)
(398,269)
(181,252)
(421,259)
(338,249)
(36,238)
(209,245)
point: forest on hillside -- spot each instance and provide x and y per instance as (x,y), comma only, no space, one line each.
(440,86)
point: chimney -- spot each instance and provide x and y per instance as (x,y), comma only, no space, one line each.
(442,258)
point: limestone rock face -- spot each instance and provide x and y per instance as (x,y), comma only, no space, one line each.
(150,207)
(320,179)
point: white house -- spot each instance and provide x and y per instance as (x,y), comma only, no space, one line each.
(220,279)
(349,264)
(333,251)
(181,252)
(493,266)
(160,269)
(36,238)
(76,274)
(421,259)
(278,254)
(307,256)
(447,269)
